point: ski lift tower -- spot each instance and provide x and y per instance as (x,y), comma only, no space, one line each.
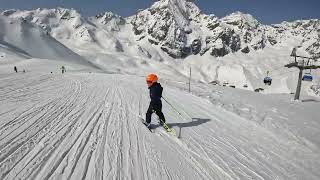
(303,64)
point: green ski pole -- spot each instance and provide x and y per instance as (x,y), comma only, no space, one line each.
(172,107)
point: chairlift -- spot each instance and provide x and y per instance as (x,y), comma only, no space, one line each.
(267,80)
(307,76)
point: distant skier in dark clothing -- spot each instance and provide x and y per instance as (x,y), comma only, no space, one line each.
(155,96)
(63,69)
(15,69)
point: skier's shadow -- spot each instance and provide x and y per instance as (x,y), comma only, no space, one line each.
(194,122)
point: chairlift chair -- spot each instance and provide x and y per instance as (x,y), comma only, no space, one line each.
(307,76)
(267,80)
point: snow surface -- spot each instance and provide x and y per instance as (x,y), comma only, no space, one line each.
(86,125)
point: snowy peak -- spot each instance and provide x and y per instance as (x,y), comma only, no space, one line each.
(48,18)
(176,27)
(168,24)
(71,29)
(307,30)
(28,39)
(106,17)
(179,11)
(109,20)
(43,14)
(180,29)
(182,11)
(241,20)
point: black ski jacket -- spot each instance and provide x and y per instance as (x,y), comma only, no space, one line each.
(156,93)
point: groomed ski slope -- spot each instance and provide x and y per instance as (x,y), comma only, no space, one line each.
(84,125)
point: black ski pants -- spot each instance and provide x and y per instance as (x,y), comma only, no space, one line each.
(157,108)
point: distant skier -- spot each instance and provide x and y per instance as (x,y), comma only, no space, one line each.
(155,96)
(15,69)
(63,69)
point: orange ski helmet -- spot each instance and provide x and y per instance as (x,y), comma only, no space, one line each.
(151,78)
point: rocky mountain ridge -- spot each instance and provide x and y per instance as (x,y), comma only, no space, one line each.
(194,32)
(177,27)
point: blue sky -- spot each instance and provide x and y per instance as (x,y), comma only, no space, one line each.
(266,11)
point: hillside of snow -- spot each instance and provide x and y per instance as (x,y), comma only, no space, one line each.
(82,125)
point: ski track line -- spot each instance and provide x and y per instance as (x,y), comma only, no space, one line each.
(24,88)
(200,139)
(201,158)
(125,109)
(64,154)
(40,108)
(130,159)
(39,120)
(247,159)
(38,157)
(89,136)
(99,172)
(163,167)
(194,159)
(26,143)
(46,155)
(117,137)
(24,118)
(66,126)
(58,162)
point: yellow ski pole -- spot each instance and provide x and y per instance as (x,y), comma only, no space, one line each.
(173,107)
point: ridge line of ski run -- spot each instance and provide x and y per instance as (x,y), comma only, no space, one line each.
(140,147)
(24,142)
(101,146)
(117,155)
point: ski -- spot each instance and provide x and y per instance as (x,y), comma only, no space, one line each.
(169,130)
(165,126)
(150,129)
(143,122)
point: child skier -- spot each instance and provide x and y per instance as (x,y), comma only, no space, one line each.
(155,90)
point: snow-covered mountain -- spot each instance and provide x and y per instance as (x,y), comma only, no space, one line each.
(178,27)
(26,40)
(236,49)
(181,29)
